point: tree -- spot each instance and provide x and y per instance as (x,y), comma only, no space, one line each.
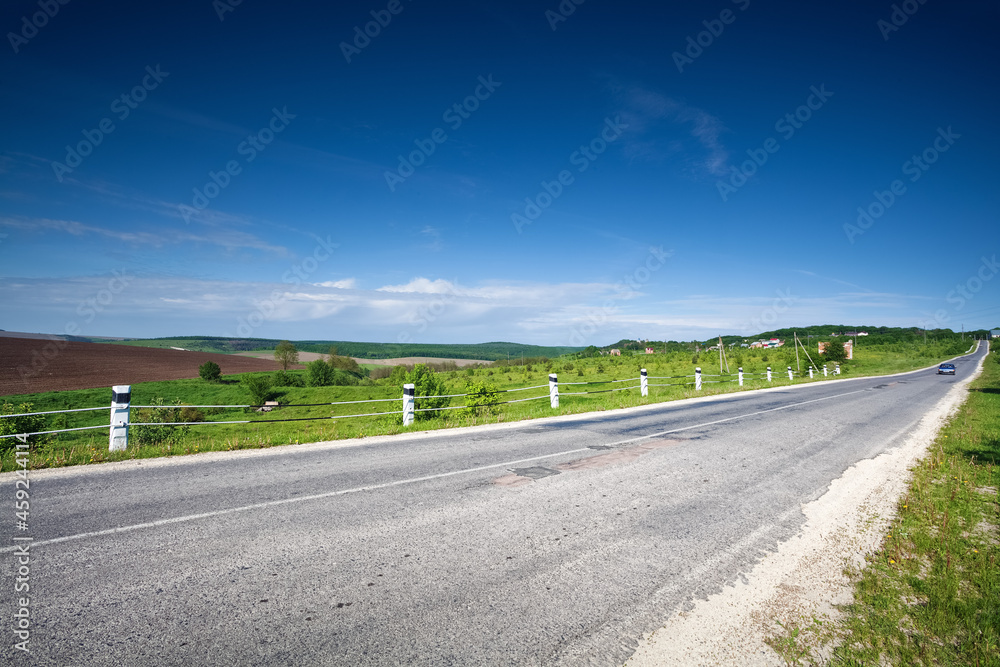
(210,371)
(286,354)
(259,386)
(834,351)
(320,373)
(344,363)
(425,384)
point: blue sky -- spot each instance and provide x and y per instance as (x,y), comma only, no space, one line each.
(471,171)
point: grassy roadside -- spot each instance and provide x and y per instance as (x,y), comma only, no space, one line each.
(91,446)
(931,594)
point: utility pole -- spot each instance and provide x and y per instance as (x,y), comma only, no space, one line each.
(795,337)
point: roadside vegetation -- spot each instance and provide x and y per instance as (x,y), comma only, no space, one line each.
(306,394)
(931,594)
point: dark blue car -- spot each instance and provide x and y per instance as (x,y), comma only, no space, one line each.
(946,369)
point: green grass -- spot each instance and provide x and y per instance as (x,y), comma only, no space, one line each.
(931,594)
(92,446)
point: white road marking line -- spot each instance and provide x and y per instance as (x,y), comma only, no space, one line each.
(376,487)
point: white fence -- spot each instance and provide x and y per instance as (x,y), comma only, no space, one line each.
(119,422)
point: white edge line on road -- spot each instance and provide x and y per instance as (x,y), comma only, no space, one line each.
(413,480)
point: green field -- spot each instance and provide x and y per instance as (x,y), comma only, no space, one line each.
(487,351)
(92,446)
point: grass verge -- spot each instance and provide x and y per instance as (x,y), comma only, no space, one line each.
(931,594)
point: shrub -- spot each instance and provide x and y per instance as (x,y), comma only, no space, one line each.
(260,388)
(286,379)
(482,396)
(398,375)
(320,373)
(210,371)
(189,414)
(18,425)
(155,433)
(835,352)
(426,384)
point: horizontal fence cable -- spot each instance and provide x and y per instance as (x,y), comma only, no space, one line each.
(54,412)
(483,405)
(668,377)
(596,382)
(417,398)
(265,421)
(280,405)
(522,400)
(59,430)
(599,391)
(537,386)
(312,405)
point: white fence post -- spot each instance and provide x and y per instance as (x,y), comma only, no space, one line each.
(697,379)
(407,404)
(643,382)
(554,390)
(838,370)
(810,372)
(790,376)
(824,370)
(741,376)
(121,397)
(768,373)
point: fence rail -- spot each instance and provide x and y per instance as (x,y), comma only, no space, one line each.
(119,422)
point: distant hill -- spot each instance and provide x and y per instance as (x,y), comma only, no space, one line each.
(487,351)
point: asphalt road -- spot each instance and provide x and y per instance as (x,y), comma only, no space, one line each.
(406,550)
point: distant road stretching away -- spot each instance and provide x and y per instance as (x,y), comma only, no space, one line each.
(547,542)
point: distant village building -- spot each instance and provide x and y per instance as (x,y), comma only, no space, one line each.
(615,352)
(774,342)
(649,350)
(995,333)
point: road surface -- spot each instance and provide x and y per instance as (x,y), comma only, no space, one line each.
(550,542)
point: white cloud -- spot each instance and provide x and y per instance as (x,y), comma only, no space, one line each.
(228,239)
(347,283)
(421,310)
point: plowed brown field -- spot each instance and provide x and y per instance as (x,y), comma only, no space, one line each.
(29,366)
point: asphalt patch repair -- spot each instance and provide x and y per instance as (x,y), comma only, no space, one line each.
(522,476)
